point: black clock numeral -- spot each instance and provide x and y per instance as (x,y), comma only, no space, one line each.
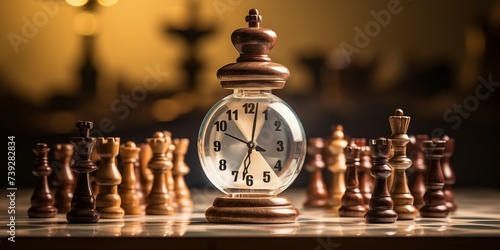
(249,108)
(277,124)
(231,114)
(280,146)
(249,180)
(266,113)
(220,125)
(217,146)
(278,165)
(222,165)
(267,177)
(235,173)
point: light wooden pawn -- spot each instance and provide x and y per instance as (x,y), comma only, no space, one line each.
(181,169)
(131,203)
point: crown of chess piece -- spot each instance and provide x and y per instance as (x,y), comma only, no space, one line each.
(42,200)
(159,201)
(366,181)
(336,164)
(83,202)
(145,176)
(169,177)
(434,199)
(317,195)
(352,200)
(449,174)
(63,154)
(381,204)
(129,153)
(181,169)
(416,179)
(400,193)
(108,178)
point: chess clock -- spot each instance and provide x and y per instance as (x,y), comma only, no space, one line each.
(251,144)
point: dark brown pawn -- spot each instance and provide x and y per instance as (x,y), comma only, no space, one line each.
(83,202)
(381,204)
(366,181)
(352,200)
(42,200)
(63,153)
(159,200)
(131,204)
(449,174)
(434,200)
(316,192)
(416,179)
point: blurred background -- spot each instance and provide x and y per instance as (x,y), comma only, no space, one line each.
(134,67)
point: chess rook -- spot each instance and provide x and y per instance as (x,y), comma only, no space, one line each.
(42,200)
(400,193)
(180,169)
(416,180)
(159,200)
(83,201)
(63,154)
(336,164)
(108,178)
(381,204)
(316,192)
(434,199)
(449,174)
(129,154)
(352,200)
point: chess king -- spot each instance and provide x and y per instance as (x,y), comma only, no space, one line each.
(251,144)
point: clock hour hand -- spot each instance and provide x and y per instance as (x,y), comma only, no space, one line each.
(258,148)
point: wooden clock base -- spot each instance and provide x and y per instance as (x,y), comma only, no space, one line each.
(254,210)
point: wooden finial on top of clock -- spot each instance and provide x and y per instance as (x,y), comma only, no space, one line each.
(253,69)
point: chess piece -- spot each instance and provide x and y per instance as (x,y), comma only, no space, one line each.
(449,174)
(63,153)
(42,200)
(146,177)
(336,164)
(108,178)
(139,190)
(381,204)
(400,193)
(131,204)
(179,170)
(352,200)
(416,179)
(169,178)
(83,201)
(366,181)
(159,201)
(434,199)
(316,192)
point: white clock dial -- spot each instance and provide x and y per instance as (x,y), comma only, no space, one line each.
(251,145)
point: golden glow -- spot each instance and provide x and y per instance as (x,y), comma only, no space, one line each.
(165,110)
(86,23)
(107,2)
(76,3)
(61,122)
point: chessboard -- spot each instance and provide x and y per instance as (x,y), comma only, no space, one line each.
(475,224)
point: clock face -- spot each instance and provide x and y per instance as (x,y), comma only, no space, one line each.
(251,144)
